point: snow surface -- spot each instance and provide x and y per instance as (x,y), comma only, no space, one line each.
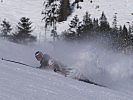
(122,8)
(88,60)
(18,82)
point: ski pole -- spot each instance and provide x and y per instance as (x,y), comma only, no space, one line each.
(17,62)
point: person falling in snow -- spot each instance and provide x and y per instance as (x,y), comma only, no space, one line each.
(47,62)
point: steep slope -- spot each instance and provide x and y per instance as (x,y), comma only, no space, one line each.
(19,82)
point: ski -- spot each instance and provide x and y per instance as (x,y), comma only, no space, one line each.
(91,82)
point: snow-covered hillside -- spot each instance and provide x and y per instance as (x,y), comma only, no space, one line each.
(13,10)
(123,8)
(18,82)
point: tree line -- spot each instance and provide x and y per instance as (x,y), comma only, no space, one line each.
(22,33)
(89,28)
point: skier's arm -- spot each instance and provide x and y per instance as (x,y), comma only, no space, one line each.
(40,66)
(53,65)
(43,65)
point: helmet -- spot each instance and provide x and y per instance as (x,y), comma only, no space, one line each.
(38,53)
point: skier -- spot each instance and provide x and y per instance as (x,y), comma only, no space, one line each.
(47,62)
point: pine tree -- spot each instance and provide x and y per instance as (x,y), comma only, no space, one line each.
(114,24)
(114,31)
(125,31)
(75,27)
(74,22)
(24,30)
(51,13)
(95,25)
(64,10)
(5,28)
(87,22)
(104,25)
(125,37)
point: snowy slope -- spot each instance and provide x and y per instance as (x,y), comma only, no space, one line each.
(91,61)
(13,10)
(18,82)
(122,8)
